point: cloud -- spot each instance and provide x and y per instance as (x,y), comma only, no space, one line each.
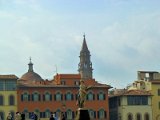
(128,47)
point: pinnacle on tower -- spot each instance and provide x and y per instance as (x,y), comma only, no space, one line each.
(84,45)
(30,65)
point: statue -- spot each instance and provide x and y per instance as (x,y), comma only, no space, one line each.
(82,94)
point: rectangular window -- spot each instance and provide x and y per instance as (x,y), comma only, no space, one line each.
(1,85)
(159,105)
(10,85)
(137,100)
(158,92)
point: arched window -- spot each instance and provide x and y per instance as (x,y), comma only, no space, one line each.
(25,97)
(58,97)
(138,116)
(2,115)
(48,97)
(69,114)
(91,114)
(90,96)
(36,96)
(146,116)
(101,96)
(1,100)
(130,116)
(37,112)
(25,111)
(58,112)
(101,114)
(47,113)
(11,100)
(68,96)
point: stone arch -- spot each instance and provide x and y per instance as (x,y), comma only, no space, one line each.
(147,116)
(129,116)
(138,116)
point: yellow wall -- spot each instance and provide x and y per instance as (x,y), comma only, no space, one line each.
(124,109)
(155,101)
(6,108)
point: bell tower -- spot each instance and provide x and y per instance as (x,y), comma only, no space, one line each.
(85,65)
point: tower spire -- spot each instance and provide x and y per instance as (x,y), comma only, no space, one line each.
(85,65)
(30,65)
(84,45)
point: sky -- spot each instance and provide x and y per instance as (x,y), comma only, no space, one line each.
(123,37)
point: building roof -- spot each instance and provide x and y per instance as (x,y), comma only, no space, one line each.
(31,75)
(147,71)
(125,92)
(155,81)
(69,76)
(8,77)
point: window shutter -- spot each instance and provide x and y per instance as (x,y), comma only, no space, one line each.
(61,96)
(72,97)
(105,115)
(93,96)
(66,115)
(28,97)
(41,114)
(54,97)
(76,96)
(97,96)
(44,114)
(87,97)
(65,97)
(21,97)
(94,114)
(50,97)
(32,98)
(98,113)
(43,97)
(104,96)
(39,97)
(72,114)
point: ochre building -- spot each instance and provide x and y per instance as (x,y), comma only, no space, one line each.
(8,95)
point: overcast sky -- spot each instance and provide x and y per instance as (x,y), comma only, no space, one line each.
(123,37)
